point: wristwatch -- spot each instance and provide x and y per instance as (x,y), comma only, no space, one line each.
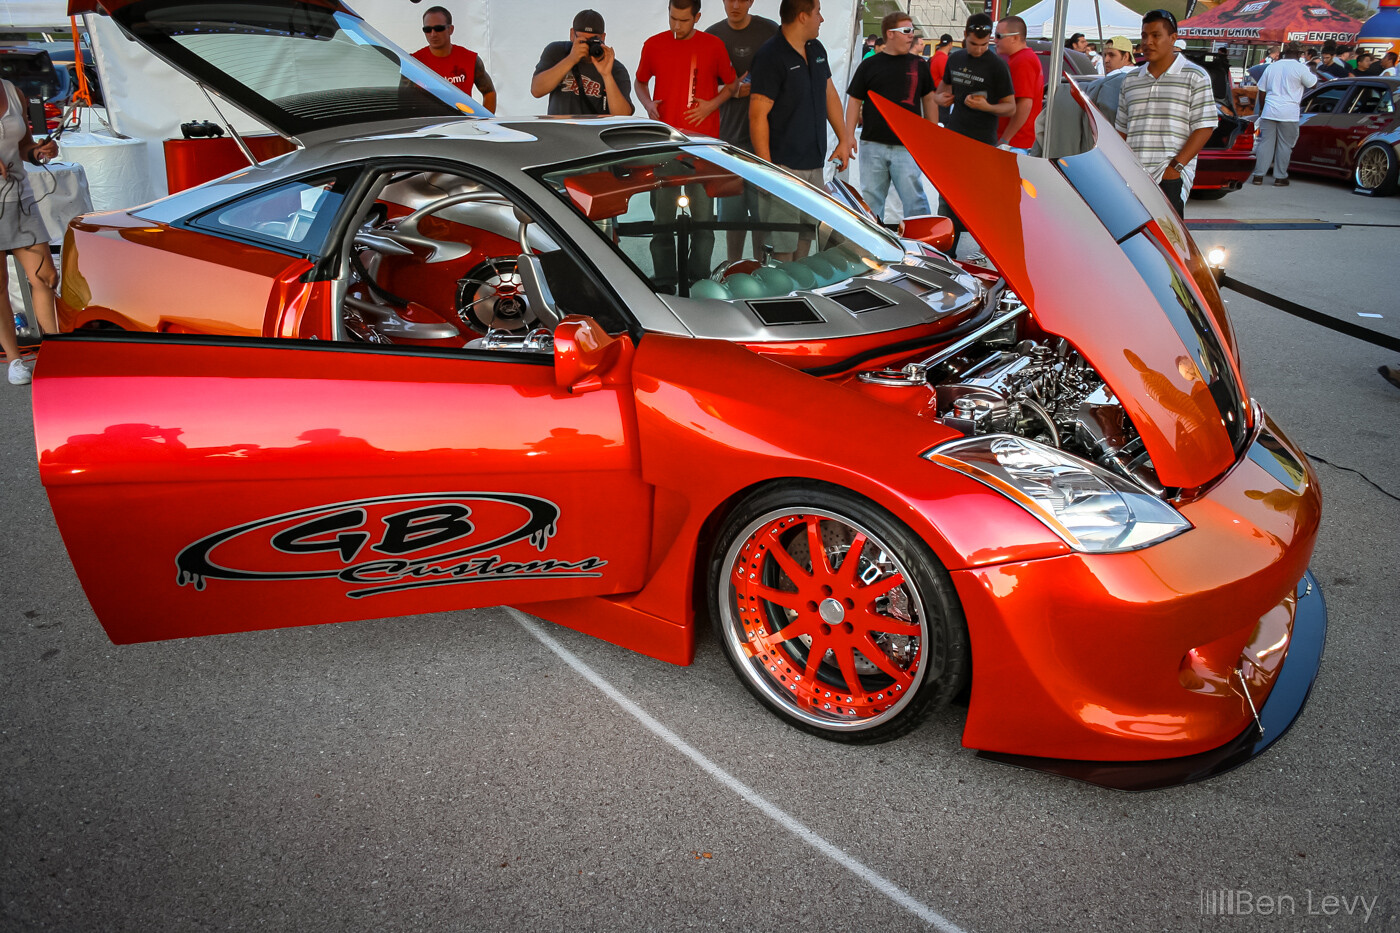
(1176,165)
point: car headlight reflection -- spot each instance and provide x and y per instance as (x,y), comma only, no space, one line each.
(1087,506)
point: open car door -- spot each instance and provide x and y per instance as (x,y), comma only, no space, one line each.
(297,66)
(208,485)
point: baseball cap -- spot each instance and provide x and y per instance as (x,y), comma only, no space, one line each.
(589,21)
(1122,44)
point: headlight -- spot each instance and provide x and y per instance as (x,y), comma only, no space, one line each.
(1089,507)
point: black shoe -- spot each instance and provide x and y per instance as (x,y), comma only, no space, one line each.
(1280,182)
(1258,180)
(1391,374)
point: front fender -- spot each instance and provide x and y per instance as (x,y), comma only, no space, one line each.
(715,419)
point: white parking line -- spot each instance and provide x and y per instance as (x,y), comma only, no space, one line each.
(749,795)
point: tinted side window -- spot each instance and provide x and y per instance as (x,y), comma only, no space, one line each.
(1325,100)
(294,216)
(1370,100)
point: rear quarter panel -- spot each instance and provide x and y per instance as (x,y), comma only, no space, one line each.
(141,275)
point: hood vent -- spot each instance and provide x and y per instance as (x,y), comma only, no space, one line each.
(629,137)
(860,300)
(781,311)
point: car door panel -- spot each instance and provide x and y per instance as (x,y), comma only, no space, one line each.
(1369,110)
(207,486)
(1317,146)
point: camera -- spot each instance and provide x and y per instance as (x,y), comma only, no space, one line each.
(201,129)
(595,47)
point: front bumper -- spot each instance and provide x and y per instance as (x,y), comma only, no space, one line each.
(1290,692)
(1144,656)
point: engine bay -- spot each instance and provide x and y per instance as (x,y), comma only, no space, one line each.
(1007,378)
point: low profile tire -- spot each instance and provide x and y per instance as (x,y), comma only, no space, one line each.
(1377,168)
(836,617)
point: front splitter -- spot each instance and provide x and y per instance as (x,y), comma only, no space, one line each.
(1286,700)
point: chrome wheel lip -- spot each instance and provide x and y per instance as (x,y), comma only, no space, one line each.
(1372,165)
(755,672)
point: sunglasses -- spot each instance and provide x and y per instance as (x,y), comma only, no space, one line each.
(1008,35)
(903,30)
(431,29)
(981,32)
(1162,14)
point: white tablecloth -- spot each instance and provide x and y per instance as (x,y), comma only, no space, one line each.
(60,194)
(117,173)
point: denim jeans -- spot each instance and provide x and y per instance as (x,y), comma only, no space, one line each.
(881,164)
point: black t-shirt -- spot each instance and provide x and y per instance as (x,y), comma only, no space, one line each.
(986,74)
(797,122)
(1337,69)
(742,44)
(566,98)
(904,79)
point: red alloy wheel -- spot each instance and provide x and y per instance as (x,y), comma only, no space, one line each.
(842,627)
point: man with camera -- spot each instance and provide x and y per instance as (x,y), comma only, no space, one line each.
(583,76)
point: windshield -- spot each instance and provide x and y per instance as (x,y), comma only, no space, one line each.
(711,222)
(296,67)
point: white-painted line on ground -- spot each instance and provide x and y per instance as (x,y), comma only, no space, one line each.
(748,794)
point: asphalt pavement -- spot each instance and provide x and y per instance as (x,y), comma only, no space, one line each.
(482,771)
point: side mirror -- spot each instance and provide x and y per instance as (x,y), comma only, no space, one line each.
(586,357)
(934,230)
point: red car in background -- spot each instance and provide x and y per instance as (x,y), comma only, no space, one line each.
(1344,119)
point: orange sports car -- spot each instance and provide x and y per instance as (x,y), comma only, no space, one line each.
(638,383)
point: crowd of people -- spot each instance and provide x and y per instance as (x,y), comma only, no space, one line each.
(768,88)
(1329,62)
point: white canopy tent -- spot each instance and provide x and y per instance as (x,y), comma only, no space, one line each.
(1117,19)
(33,16)
(148,100)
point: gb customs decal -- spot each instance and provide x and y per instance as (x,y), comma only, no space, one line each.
(388,544)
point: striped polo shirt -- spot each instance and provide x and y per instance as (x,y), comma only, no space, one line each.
(1158,114)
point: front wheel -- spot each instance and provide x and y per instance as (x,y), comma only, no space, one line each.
(1376,170)
(836,616)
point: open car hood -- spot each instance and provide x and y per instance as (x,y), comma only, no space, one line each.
(1092,247)
(297,66)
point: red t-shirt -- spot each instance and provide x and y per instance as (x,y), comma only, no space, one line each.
(936,66)
(686,71)
(458,66)
(1027,80)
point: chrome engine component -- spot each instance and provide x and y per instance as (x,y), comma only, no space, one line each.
(539,340)
(1039,389)
(915,374)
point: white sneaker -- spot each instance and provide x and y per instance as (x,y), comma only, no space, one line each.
(19,374)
